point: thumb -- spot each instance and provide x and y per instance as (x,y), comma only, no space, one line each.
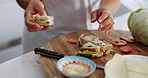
(41,11)
(93,16)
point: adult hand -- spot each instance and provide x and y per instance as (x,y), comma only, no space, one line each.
(35,7)
(104,18)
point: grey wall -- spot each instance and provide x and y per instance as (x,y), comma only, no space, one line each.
(11,22)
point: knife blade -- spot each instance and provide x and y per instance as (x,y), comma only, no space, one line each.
(56,55)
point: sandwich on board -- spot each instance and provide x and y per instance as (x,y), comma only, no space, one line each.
(91,46)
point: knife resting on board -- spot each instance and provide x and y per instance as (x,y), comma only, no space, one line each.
(55,55)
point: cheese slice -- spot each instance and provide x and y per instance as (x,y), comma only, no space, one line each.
(121,67)
(137,69)
(117,68)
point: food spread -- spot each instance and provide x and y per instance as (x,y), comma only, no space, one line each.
(76,68)
(44,20)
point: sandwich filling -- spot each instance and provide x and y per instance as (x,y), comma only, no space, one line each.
(44,20)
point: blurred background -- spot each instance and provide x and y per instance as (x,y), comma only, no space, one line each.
(12,24)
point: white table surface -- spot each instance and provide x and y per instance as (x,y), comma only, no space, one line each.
(28,66)
(25,66)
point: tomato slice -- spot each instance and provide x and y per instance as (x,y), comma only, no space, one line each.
(127,38)
(125,49)
(72,41)
(118,42)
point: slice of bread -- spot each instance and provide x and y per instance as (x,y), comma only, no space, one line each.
(86,38)
(90,47)
(107,51)
(103,44)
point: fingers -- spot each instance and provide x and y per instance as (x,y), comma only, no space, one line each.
(33,29)
(29,21)
(106,28)
(31,25)
(106,25)
(46,27)
(34,8)
(94,16)
(38,29)
(106,22)
(103,16)
(41,11)
(110,30)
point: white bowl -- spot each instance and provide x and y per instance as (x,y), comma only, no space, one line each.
(75,59)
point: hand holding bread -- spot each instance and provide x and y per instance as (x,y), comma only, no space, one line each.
(35,8)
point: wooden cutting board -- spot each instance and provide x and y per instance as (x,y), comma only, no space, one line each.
(61,45)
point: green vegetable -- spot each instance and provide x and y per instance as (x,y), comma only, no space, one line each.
(138,25)
(86,52)
(44,18)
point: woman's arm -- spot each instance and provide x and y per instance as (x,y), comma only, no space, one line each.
(111,5)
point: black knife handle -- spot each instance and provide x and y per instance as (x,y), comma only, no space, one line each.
(48,52)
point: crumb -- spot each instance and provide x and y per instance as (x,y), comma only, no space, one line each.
(38,62)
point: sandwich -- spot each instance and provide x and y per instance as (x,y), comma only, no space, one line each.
(91,46)
(90,50)
(44,20)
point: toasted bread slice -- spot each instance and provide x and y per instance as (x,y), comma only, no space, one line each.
(86,38)
(103,44)
(106,52)
(97,55)
(91,47)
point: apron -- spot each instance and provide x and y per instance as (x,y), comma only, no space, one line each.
(69,16)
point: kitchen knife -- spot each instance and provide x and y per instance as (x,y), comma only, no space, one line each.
(48,53)
(56,55)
